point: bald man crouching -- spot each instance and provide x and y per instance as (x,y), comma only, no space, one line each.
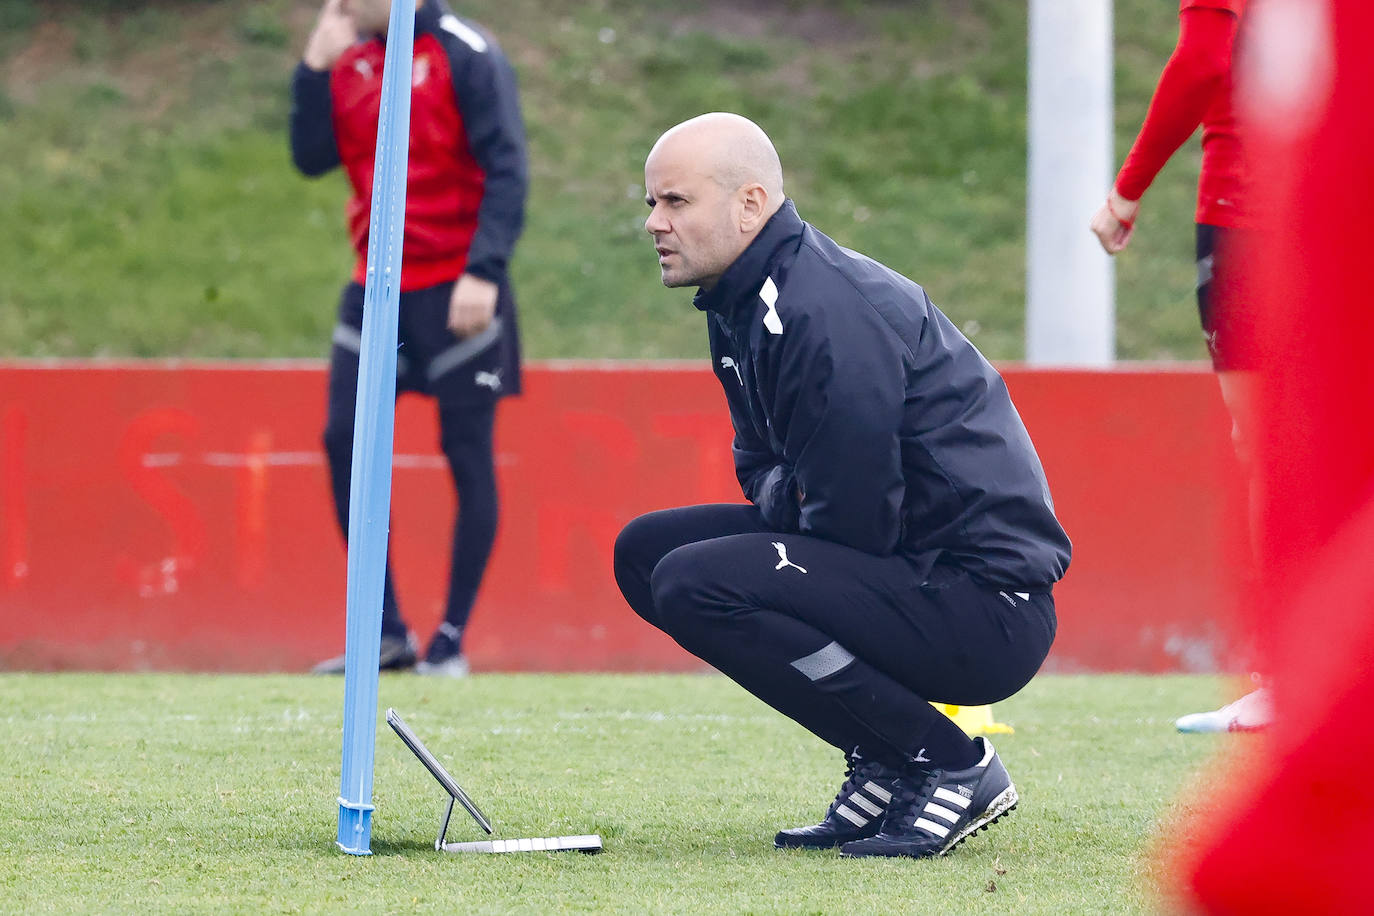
(900,544)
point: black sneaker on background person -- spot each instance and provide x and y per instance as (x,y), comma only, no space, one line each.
(932,811)
(857,811)
(444,657)
(396,654)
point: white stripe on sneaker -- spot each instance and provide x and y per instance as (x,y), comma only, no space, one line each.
(938,829)
(954,798)
(868,806)
(858,820)
(878,792)
(942,812)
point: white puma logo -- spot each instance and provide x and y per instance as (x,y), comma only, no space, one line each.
(728,363)
(784,562)
(490,380)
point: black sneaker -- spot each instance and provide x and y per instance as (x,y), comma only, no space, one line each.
(445,655)
(933,811)
(397,654)
(857,811)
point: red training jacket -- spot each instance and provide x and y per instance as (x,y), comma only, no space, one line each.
(467,176)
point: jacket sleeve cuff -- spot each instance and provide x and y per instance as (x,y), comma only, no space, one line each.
(778,499)
(306,73)
(489,270)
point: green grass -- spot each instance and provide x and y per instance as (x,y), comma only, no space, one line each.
(175,793)
(150,209)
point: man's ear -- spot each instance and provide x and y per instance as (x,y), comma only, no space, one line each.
(753,206)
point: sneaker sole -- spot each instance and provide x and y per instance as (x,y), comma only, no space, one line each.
(443,669)
(331,667)
(812,847)
(835,844)
(1001,806)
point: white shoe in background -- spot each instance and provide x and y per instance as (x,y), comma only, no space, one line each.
(453,666)
(1251,712)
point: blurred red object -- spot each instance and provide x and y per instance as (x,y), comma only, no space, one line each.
(1300,834)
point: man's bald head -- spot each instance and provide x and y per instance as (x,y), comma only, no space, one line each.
(731,149)
(713,183)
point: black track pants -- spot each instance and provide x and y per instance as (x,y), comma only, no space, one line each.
(850,645)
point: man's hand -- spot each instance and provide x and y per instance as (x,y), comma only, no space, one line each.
(334,34)
(1115,222)
(471,306)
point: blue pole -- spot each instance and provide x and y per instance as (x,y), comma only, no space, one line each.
(370,486)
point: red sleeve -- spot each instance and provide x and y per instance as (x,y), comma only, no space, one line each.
(1195,73)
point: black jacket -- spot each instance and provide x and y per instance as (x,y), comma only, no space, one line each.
(849,388)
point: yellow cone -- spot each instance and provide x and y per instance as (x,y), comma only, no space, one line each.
(974,720)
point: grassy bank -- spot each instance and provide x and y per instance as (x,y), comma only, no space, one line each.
(149,207)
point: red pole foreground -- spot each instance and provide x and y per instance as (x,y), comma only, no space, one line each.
(1299,834)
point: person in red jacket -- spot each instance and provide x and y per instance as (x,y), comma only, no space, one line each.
(465,202)
(1196,88)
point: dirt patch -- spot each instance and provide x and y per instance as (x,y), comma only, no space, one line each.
(151,74)
(48,52)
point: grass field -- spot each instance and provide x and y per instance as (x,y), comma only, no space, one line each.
(149,208)
(176,793)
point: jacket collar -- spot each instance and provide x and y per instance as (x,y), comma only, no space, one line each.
(427,17)
(741,281)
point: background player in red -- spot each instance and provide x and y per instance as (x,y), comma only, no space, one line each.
(1196,88)
(465,202)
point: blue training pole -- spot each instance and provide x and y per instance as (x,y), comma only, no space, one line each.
(370,486)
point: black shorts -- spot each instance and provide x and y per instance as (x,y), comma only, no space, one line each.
(1227,315)
(430,359)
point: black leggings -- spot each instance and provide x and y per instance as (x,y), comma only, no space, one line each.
(849,645)
(467,414)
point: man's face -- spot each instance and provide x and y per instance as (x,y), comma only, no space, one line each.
(694,221)
(370,17)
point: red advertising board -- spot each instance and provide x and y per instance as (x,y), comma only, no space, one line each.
(176,515)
